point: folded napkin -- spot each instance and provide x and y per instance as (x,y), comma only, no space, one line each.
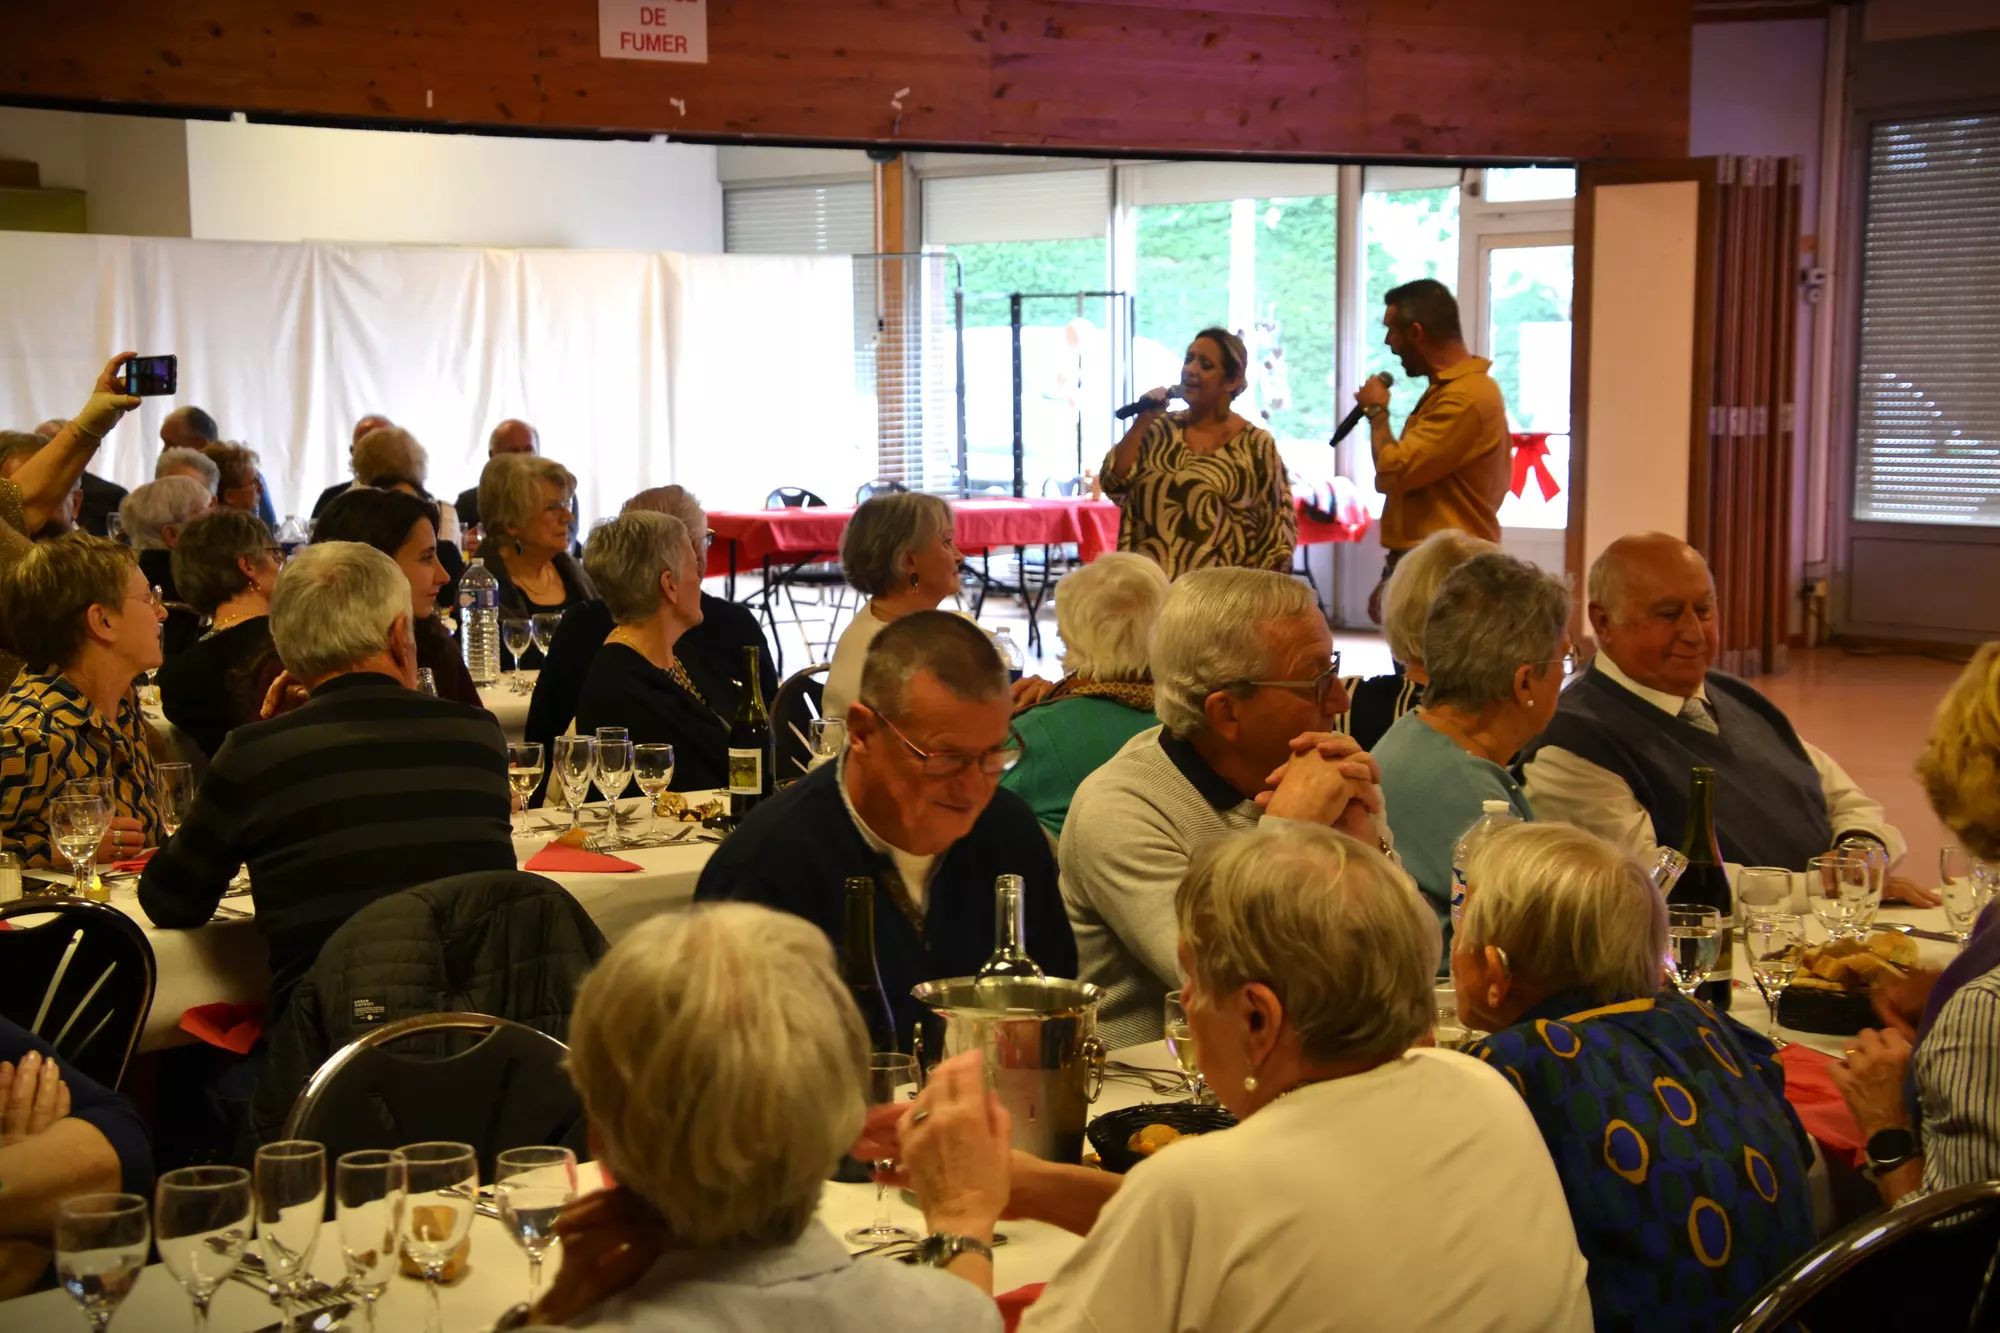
(556,858)
(1015,1303)
(1822,1110)
(233,1027)
(132,865)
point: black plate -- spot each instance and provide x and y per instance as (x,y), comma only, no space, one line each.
(1112,1132)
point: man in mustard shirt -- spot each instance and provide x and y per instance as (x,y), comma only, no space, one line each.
(1451,467)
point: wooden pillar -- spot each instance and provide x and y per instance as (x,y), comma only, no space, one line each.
(899,428)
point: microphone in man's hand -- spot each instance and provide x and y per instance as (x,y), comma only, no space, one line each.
(1348,422)
(1146,404)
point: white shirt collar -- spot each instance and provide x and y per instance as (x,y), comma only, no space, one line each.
(1669,704)
(914,869)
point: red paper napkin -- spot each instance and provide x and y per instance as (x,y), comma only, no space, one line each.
(1821,1108)
(1015,1303)
(556,858)
(134,864)
(233,1027)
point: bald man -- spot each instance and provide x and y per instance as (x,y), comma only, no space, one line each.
(373,421)
(509,437)
(1617,756)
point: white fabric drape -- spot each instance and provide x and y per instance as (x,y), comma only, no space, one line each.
(731,374)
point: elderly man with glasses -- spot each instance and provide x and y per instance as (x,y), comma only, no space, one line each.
(1246,685)
(915,805)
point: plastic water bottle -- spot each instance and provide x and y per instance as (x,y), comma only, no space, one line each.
(1495,813)
(479,621)
(291,534)
(1010,653)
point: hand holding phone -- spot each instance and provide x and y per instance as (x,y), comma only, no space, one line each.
(151,376)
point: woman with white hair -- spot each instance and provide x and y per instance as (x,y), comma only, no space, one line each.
(721,1061)
(1684,1166)
(899,553)
(648,573)
(1375,702)
(1496,647)
(1104,613)
(1375,1182)
(154,516)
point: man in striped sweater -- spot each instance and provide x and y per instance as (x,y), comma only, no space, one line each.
(367,789)
(1246,683)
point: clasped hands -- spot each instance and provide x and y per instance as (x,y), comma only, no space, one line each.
(1329,780)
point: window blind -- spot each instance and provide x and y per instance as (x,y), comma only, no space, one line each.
(1927,438)
(799,219)
(1016,206)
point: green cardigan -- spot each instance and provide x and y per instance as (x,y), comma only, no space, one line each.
(1066,742)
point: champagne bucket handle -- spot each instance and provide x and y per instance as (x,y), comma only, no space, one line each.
(1093,1054)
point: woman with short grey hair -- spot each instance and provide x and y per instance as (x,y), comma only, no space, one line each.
(1377,701)
(226,566)
(1309,963)
(649,575)
(1667,1122)
(190,463)
(897,552)
(1497,647)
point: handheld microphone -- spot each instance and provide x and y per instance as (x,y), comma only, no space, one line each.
(1348,422)
(1145,405)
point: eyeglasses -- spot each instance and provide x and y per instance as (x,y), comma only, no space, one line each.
(153,597)
(1570,662)
(1321,685)
(950,763)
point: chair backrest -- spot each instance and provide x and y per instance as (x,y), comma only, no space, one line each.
(868,490)
(792,713)
(504,1087)
(80,976)
(1971,1241)
(1065,486)
(793,497)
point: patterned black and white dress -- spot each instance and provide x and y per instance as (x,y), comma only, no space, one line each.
(1189,510)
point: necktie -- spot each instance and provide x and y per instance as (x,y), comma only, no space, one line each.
(1696,712)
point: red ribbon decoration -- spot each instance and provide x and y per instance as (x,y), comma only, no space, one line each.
(1531,448)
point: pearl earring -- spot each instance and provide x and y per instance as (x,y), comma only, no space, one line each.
(1249,1083)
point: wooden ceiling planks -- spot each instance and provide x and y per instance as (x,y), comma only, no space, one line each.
(1351,78)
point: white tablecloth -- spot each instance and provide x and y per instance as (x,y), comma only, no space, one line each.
(509,707)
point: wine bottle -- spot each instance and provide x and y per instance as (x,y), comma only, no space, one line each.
(1009,960)
(749,745)
(859,970)
(1705,884)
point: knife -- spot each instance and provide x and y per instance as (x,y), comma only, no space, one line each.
(1943,937)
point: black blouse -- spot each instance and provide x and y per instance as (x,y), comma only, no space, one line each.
(219,682)
(623,689)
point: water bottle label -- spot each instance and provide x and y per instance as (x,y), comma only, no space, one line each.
(479,599)
(746,772)
(1457,896)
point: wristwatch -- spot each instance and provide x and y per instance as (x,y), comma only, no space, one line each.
(941,1247)
(1889,1148)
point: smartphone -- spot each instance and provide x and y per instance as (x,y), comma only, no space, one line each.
(152,376)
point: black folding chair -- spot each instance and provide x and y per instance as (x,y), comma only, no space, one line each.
(503,1088)
(80,976)
(825,577)
(868,490)
(793,711)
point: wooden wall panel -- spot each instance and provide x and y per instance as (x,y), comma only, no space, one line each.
(1324,78)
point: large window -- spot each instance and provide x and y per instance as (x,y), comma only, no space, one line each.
(1927,430)
(1410,234)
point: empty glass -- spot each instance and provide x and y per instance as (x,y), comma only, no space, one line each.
(1181,1045)
(576,762)
(176,794)
(1762,891)
(369,1189)
(653,770)
(444,1186)
(77,824)
(427,682)
(1838,885)
(201,1222)
(1694,945)
(290,1179)
(614,770)
(1966,884)
(524,769)
(516,635)
(542,629)
(829,738)
(892,1077)
(1775,941)
(1876,858)
(532,1186)
(101,1245)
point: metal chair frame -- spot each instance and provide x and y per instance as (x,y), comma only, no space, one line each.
(85,911)
(793,684)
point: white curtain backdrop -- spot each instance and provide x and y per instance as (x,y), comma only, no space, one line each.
(731,374)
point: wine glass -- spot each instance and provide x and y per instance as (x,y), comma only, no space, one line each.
(1966,885)
(1775,942)
(614,770)
(369,1189)
(828,736)
(892,1077)
(524,769)
(444,1186)
(114,528)
(516,635)
(427,682)
(576,760)
(653,770)
(532,1185)
(101,1244)
(1838,885)
(1181,1045)
(290,1177)
(77,825)
(176,794)
(542,629)
(1876,858)
(1694,944)
(201,1221)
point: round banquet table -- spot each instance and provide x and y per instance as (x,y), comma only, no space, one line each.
(511,708)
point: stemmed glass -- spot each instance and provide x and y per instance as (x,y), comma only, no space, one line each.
(542,630)
(1876,858)
(828,736)
(369,1189)
(77,824)
(290,1177)
(653,770)
(444,1186)
(1775,942)
(1967,886)
(176,794)
(532,1185)
(201,1221)
(576,761)
(892,1077)
(1181,1045)
(101,1243)
(1838,885)
(524,770)
(614,770)
(516,635)
(1694,944)
(1762,890)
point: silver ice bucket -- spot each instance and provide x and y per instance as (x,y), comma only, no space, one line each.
(1040,1043)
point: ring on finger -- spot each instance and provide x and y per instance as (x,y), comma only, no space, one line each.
(918,1116)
